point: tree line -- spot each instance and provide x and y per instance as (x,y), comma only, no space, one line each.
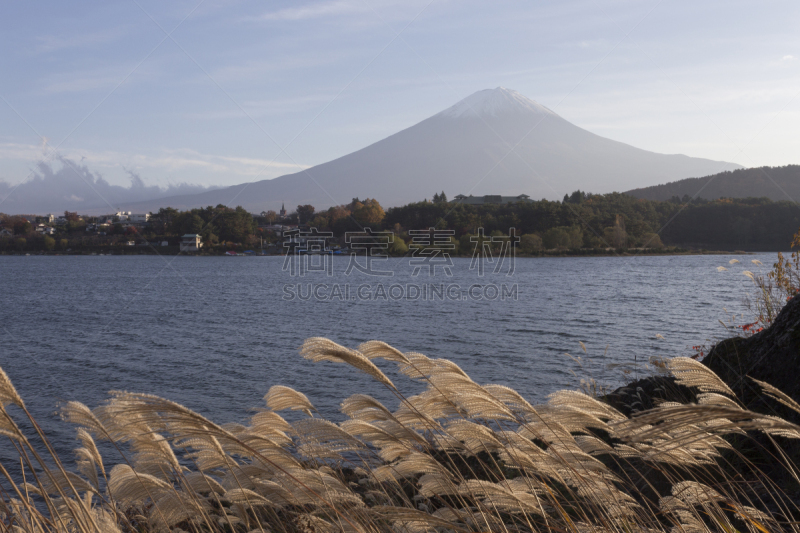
(580,221)
(615,220)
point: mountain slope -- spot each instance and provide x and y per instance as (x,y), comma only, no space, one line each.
(776,183)
(466,149)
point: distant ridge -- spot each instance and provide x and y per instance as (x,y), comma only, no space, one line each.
(775,183)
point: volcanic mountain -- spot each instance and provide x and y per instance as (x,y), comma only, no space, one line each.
(495,141)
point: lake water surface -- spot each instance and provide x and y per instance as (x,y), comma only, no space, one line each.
(214,333)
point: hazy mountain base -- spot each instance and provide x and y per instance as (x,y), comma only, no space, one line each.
(457,457)
(71,185)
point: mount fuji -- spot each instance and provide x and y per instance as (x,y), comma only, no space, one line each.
(495,141)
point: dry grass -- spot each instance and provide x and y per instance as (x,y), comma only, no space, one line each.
(457,457)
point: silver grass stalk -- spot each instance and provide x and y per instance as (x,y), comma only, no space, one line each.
(279,398)
(692,373)
(320,349)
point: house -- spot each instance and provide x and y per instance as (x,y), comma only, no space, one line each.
(119,216)
(489,199)
(191,243)
(45,230)
(6,232)
(274,228)
(138,218)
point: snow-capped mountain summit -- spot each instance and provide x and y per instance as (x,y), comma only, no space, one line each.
(518,147)
(494,103)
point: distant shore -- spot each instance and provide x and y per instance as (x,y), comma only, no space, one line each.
(595,252)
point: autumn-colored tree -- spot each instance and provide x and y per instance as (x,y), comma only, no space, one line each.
(530,243)
(20,225)
(369,213)
(320,222)
(270,216)
(338,212)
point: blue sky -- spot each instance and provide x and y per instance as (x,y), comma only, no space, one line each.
(236,82)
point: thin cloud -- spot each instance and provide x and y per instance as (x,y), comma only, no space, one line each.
(258,108)
(54,43)
(81,84)
(317,10)
(160,164)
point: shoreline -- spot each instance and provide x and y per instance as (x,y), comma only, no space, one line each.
(580,253)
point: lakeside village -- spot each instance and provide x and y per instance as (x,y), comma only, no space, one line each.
(580,224)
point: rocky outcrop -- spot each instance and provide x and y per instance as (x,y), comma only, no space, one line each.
(773,356)
(647,393)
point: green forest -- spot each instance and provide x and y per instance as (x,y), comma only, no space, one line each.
(617,220)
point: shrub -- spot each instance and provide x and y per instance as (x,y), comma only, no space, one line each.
(530,243)
(615,236)
(651,240)
(398,246)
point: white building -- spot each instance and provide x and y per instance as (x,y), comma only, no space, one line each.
(119,216)
(45,230)
(138,218)
(191,243)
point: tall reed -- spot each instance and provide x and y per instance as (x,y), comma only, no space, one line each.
(457,457)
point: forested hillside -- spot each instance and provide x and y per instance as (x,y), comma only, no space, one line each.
(775,183)
(618,220)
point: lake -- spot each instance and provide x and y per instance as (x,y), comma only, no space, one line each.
(214,333)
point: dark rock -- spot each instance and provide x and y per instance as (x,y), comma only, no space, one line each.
(647,393)
(772,355)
